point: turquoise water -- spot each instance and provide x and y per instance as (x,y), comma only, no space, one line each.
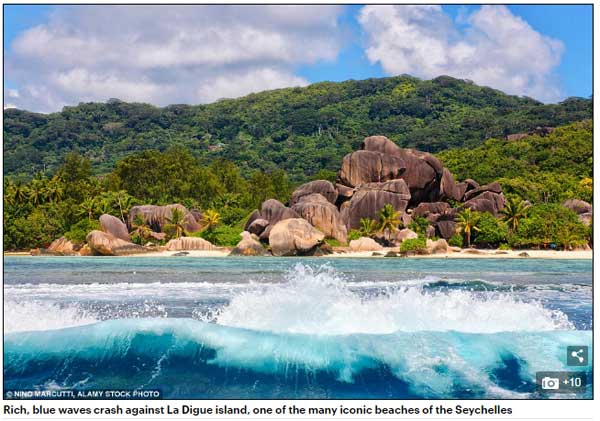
(294,327)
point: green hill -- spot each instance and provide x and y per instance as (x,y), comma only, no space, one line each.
(550,168)
(299,130)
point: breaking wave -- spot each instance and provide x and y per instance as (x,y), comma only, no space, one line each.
(312,335)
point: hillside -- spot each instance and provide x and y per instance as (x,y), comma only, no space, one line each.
(550,168)
(299,130)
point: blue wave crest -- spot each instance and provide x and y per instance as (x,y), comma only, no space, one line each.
(187,358)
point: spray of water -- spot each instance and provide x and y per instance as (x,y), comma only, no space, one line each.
(319,301)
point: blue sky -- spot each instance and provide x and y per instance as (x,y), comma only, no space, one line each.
(62,55)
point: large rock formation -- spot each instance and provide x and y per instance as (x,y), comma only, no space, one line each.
(295,236)
(114,226)
(323,187)
(257,226)
(437,247)
(464,187)
(322,215)
(583,210)
(380,173)
(578,206)
(62,246)
(362,167)
(249,246)
(189,243)
(423,171)
(426,208)
(253,217)
(365,244)
(487,201)
(272,211)
(370,198)
(157,216)
(405,234)
(344,193)
(448,189)
(446,229)
(105,244)
(59,247)
(492,187)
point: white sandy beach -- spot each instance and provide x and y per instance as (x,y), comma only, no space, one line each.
(482,254)
(222,252)
(463,254)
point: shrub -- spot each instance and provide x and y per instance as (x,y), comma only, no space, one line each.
(221,235)
(491,230)
(419,225)
(456,240)
(504,246)
(414,244)
(354,235)
(550,224)
(81,229)
(368,226)
(231,215)
(333,242)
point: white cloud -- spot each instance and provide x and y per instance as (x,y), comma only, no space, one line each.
(235,85)
(167,54)
(496,48)
(12,93)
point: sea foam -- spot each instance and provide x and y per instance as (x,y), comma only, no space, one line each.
(320,301)
(39,315)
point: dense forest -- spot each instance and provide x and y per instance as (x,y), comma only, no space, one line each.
(543,170)
(63,170)
(298,130)
(71,200)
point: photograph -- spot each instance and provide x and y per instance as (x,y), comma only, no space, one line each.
(298,202)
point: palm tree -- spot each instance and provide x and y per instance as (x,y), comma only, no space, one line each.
(141,230)
(104,205)
(37,192)
(467,223)
(177,221)
(367,226)
(389,218)
(88,207)
(55,190)
(570,240)
(9,191)
(15,193)
(20,192)
(514,209)
(124,201)
(210,219)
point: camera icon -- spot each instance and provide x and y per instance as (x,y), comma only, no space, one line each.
(550,383)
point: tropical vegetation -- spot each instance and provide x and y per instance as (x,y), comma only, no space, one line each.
(63,170)
(302,131)
(539,169)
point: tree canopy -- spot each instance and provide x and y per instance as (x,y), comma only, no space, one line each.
(299,130)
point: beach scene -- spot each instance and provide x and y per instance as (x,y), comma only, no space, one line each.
(393,236)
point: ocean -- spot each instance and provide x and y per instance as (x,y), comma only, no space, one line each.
(279,328)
